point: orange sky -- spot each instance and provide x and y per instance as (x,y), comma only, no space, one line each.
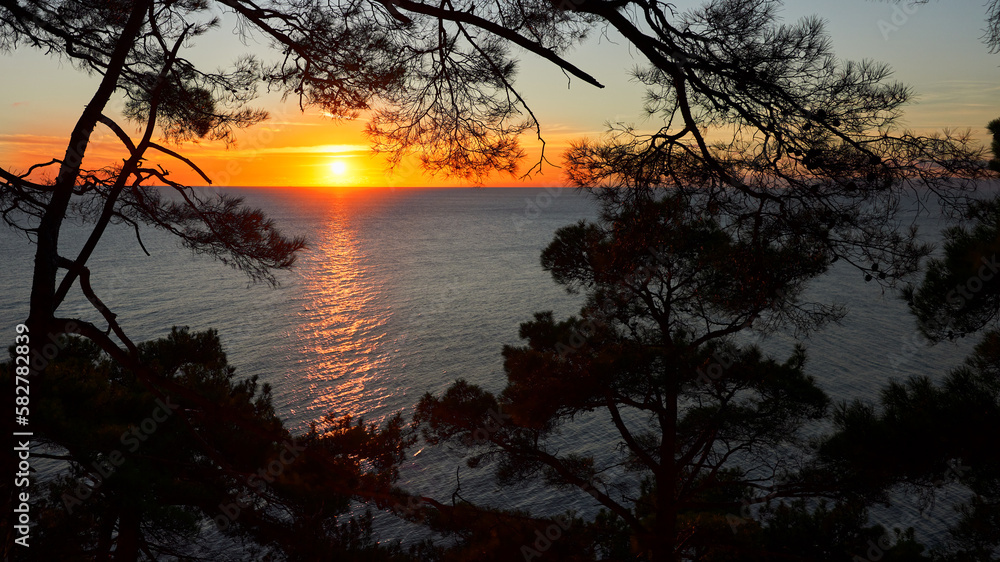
(290,149)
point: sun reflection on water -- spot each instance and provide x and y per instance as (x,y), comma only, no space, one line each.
(344,353)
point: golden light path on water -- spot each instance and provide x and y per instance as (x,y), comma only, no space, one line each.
(343,354)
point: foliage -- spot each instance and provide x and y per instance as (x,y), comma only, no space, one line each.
(766,128)
(773,161)
(439,64)
(154,467)
(703,422)
(994,128)
(925,434)
(959,292)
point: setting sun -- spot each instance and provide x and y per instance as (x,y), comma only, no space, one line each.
(338,168)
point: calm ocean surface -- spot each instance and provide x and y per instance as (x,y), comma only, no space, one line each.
(400,292)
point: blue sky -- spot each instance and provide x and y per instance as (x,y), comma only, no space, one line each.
(937,50)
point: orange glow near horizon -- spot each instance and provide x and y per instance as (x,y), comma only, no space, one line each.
(294,149)
(289,150)
(303,151)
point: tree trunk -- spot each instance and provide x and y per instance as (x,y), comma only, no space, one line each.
(665,527)
(105,539)
(127,545)
(43,283)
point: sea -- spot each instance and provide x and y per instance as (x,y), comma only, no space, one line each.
(400,292)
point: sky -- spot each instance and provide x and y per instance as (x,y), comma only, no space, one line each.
(935,47)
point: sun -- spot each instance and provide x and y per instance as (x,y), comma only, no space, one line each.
(338,168)
(340,171)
